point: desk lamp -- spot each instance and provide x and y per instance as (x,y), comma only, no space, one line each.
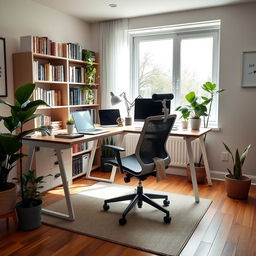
(117,99)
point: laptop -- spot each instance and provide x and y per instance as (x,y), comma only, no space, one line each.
(84,123)
(108,117)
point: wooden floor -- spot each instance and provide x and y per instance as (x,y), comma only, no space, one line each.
(227,229)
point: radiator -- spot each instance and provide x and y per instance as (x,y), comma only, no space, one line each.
(176,147)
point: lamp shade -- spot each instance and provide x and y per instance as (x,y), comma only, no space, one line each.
(115,99)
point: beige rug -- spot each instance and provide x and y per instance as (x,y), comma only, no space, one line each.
(144,230)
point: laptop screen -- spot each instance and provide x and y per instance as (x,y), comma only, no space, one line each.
(83,120)
(108,116)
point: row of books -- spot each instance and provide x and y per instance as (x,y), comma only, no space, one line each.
(48,72)
(80,147)
(80,164)
(76,74)
(82,96)
(51,97)
(42,120)
(75,51)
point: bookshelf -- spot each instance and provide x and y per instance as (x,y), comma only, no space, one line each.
(65,94)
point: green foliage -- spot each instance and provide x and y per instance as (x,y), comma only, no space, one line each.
(70,121)
(11,143)
(105,152)
(31,185)
(238,162)
(90,68)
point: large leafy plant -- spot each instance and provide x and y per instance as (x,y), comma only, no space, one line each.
(195,108)
(22,112)
(238,162)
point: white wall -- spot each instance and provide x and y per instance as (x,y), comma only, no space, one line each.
(25,17)
(237,106)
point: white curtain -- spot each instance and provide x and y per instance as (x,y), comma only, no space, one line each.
(114,60)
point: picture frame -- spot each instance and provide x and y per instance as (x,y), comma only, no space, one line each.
(249,69)
(3,73)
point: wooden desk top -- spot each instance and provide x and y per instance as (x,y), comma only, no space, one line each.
(110,132)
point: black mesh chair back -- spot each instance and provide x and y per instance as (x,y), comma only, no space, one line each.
(152,141)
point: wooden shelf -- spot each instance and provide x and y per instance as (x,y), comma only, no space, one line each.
(50,82)
(83,84)
(83,152)
(94,167)
(81,62)
(53,107)
(45,56)
(86,105)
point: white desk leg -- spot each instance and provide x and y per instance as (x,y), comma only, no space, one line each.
(192,168)
(70,216)
(206,163)
(31,152)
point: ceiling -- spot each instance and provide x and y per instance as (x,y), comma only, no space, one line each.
(99,10)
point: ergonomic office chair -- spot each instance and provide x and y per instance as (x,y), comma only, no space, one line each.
(140,165)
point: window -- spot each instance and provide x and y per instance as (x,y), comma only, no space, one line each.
(177,62)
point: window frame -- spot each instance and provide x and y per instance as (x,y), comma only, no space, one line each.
(177,36)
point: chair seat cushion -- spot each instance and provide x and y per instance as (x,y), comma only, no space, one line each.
(129,163)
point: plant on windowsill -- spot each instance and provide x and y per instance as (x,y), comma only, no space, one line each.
(29,210)
(237,185)
(107,154)
(22,112)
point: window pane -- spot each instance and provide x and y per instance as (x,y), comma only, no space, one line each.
(196,65)
(155,67)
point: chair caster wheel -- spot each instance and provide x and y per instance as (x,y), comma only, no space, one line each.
(166,202)
(122,221)
(140,205)
(167,219)
(105,207)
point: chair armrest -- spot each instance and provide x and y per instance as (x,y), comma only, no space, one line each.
(115,148)
(117,154)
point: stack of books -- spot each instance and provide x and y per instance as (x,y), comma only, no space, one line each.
(76,74)
(48,72)
(51,97)
(43,45)
(57,125)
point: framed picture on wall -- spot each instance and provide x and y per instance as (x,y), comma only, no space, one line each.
(249,69)
(3,76)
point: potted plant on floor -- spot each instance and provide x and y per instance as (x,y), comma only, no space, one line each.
(22,112)
(237,185)
(200,108)
(29,209)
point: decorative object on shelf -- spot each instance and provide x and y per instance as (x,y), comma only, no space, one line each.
(89,57)
(120,121)
(29,210)
(117,99)
(11,142)
(249,69)
(3,73)
(47,130)
(107,154)
(70,126)
(237,184)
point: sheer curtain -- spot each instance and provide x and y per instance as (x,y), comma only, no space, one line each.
(114,60)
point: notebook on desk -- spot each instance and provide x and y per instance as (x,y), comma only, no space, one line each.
(84,123)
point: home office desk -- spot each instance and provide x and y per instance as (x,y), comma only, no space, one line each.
(59,144)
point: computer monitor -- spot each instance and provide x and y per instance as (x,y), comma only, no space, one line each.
(109,116)
(147,107)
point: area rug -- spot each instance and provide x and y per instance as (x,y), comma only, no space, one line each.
(144,230)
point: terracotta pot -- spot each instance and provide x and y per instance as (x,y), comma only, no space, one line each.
(200,174)
(195,123)
(237,189)
(8,199)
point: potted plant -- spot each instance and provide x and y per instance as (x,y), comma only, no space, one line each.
(70,126)
(107,154)
(185,113)
(29,210)
(22,112)
(90,96)
(237,185)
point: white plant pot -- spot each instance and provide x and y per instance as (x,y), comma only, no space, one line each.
(70,128)
(184,124)
(195,123)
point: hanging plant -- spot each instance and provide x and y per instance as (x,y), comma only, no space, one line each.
(89,57)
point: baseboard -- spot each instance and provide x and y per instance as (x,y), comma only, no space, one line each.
(216,175)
